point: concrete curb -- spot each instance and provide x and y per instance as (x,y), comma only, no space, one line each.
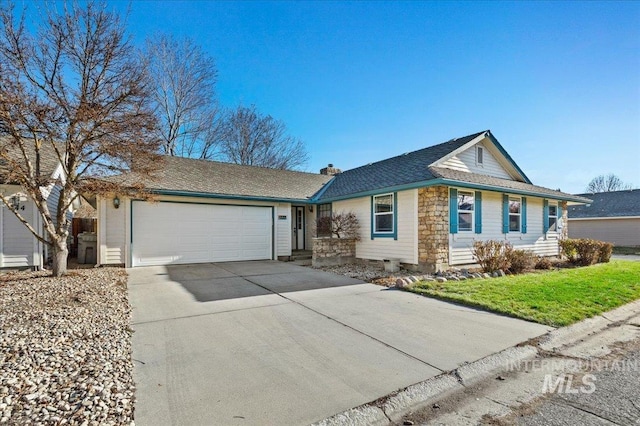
(418,395)
(396,405)
(565,336)
(360,416)
(498,362)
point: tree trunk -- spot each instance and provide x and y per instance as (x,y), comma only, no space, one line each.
(60,253)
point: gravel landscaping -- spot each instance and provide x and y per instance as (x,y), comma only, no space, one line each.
(375,273)
(65,348)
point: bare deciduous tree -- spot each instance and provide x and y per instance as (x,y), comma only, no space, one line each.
(606,183)
(184,96)
(73,89)
(339,224)
(251,138)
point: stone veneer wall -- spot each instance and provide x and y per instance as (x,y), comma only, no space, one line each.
(564,233)
(328,251)
(433,228)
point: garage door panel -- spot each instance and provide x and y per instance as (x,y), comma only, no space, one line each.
(166,233)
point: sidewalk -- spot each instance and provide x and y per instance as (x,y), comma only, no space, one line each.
(585,361)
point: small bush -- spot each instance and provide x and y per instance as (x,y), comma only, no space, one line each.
(585,252)
(339,224)
(604,255)
(543,263)
(520,261)
(492,255)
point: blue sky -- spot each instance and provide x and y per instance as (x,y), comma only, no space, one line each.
(558,83)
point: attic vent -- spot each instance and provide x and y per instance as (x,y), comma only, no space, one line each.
(479,155)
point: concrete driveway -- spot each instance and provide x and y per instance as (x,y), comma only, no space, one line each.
(274,343)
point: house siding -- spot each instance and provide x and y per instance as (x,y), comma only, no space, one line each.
(619,231)
(283,230)
(466,162)
(19,246)
(534,240)
(404,248)
(114,226)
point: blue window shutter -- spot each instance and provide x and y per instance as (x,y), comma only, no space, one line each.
(453,211)
(373,218)
(478,211)
(523,215)
(505,214)
(545,216)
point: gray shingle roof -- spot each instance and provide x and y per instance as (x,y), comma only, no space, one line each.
(608,204)
(505,184)
(401,170)
(48,159)
(211,177)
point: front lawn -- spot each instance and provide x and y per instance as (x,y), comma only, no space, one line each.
(555,298)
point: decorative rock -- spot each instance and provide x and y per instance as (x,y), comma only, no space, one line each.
(441,279)
(78,344)
(486,275)
(501,273)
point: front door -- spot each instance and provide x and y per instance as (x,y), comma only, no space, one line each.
(297,236)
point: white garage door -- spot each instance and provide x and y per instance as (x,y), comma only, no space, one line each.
(164,233)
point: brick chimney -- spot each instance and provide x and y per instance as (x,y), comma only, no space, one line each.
(330,170)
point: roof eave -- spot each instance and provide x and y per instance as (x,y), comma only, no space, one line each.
(194,194)
(451,182)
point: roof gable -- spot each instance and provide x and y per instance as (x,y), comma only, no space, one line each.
(608,204)
(503,164)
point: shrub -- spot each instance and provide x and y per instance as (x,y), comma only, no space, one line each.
(585,252)
(520,261)
(604,255)
(340,225)
(492,255)
(543,263)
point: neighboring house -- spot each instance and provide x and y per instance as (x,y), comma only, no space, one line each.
(611,216)
(425,208)
(18,247)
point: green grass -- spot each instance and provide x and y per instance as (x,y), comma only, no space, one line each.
(555,298)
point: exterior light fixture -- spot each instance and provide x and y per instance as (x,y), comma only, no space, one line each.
(116,202)
(310,208)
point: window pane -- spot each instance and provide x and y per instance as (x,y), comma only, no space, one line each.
(383,204)
(552,223)
(384,223)
(324,210)
(553,210)
(514,223)
(465,201)
(514,205)
(464,221)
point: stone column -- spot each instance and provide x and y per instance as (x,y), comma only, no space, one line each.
(564,233)
(433,228)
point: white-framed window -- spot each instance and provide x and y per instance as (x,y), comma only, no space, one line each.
(383,214)
(466,202)
(515,212)
(553,217)
(479,155)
